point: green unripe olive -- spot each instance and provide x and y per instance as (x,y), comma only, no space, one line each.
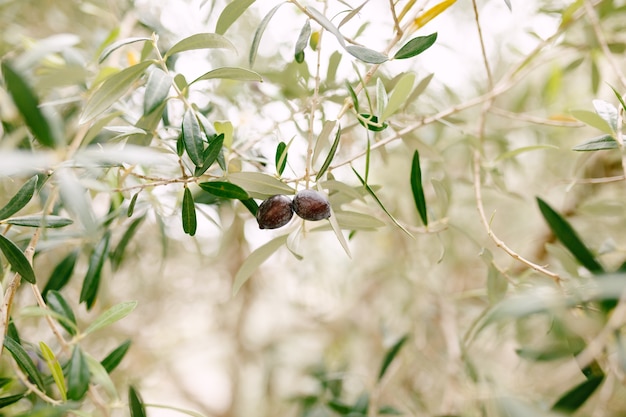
(274,212)
(311,205)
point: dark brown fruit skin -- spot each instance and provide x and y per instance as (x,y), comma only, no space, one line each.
(311,205)
(274,212)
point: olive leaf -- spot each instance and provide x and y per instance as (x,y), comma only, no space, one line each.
(17,259)
(418,189)
(188,213)
(20,199)
(89,290)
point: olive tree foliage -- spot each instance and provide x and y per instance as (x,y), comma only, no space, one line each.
(472,264)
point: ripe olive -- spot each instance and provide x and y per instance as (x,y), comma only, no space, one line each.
(274,212)
(311,205)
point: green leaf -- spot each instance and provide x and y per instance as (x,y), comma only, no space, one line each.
(370,122)
(224,190)
(331,154)
(322,139)
(390,411)
(157,89)
(366,55)
(518,151)
(118,253)
(418,189)
(380,204)
(17,259)
(251,205)
(281,158)
(391,354)
(607,112)
(255,259)
(353,96)
(496,284)
(336,228)
(24,361)
(566,234)
(194,145)
(210,154)
(230,14)
(326,24)
(189,213)
(89,290)
(259,33)
(381,97)
(416,46)
(399,95)
(113,314)
(20,199)
(116,45)
(77,375)
(303,40)
(59,305)
(114,358)
(55,369)
(592,119)
(11,399)
(49,221)
(111,90)
(361,404)
(200,41)
(27,103)
(260,185)
(131,205)
(619,97)
(135,403)
(230,73)
(599,143)
(61,273)
(508,4)
(101,378)
(573,399)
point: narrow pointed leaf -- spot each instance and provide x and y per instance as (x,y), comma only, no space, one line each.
(61,274)
(260,185)
(251,205)
(607,112)
(55,369)
(431,13)
(27,103)
(100,377)
(36,311)
(390,355)
(416,46)
(259,33)
(118,254)
(113,314)
(210,154)
(194,145)
(89,290)
(24,361)
(326,24)
(230,14)
(224,190)
(303,40)
(17,259)
(322,139)
(111,90)
(20,199)
(418,189)
(114,358)
(59,305)
(281,158)
(599,143)
(135,403)
(576,397)
(189,213)
(254,260)
(50,221)
(230,73)
(592,119)
(11,399)
(366,55)
(77,375)
(157,89)
(381,97)
(570,239)
(116,45)
(380,204)
(131,205)
(334,224)
(331,154)
(201,41)
(352,14)
(353,96)
(619,97)
(399,95)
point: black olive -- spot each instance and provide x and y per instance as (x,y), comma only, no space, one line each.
(311,205)
(274,212)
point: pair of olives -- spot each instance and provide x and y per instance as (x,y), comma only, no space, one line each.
(277,210)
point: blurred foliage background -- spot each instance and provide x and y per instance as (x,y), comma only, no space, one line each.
(492,309)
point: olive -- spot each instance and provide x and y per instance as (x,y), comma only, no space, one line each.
(274,212)
(311,205)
